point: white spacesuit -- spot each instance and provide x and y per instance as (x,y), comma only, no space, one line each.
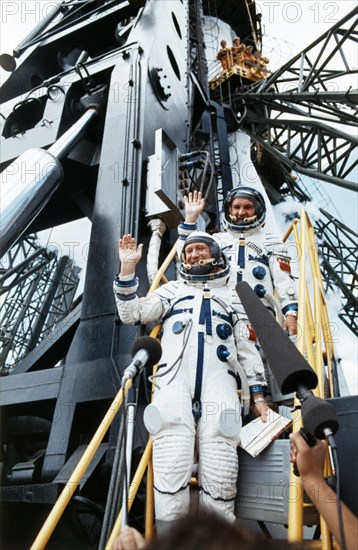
(196,412)
(256,255)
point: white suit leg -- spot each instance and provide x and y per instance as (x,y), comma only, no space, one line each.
(173,433)
(172,463)
(218,469)
(218,435)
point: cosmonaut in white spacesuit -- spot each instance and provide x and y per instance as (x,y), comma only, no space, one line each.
(256,255)
(196,411)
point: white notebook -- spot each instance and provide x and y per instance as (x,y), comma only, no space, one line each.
(257,435)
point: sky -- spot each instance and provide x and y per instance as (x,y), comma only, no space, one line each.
(288,27)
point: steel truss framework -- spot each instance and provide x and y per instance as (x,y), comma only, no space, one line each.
(339,264)
(293,114)
(63,16)
(296,117)
(38,288)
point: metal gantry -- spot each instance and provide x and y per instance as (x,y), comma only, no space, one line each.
(339,264)
(304,114)
(302,119)
(37,289)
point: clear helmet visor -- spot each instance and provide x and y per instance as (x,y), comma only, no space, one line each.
(249,223)
(216,266)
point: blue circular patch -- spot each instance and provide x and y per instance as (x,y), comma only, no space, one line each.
(223,331)
(178,327)
(222,352)
(259,272)
(260,290)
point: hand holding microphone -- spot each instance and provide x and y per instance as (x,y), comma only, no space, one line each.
(306,460)
(311,442)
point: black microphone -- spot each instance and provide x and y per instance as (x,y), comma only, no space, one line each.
(288,365)
(289,368)
(145,351)
(318,416)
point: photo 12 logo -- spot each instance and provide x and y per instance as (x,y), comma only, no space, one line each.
(26,11)
(293,12)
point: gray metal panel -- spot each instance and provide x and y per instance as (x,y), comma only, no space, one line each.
(31,386)
(44,493)
(263,486)
(347,448)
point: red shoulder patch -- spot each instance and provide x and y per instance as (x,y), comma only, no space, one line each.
(284,264)
(252,333)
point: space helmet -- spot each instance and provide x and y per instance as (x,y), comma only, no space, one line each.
(258,201)
(206,270)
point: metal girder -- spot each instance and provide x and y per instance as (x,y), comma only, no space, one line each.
(36,386)
(309,147)
(327,58)
(38,289)
(304,114)
(51,350)
(338,107)
(196,45)
(65,15)
(339,264)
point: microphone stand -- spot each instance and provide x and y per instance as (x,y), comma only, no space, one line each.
(145,350)
(130,407)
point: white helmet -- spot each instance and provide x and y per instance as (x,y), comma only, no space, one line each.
(260,209)
(207,269)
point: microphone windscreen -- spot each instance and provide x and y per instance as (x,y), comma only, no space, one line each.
(287,364)
(317,415)
(151,345)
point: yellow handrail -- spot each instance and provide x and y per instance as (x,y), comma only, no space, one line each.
(160,275)
(313,341)
(149,501)
(70,487)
